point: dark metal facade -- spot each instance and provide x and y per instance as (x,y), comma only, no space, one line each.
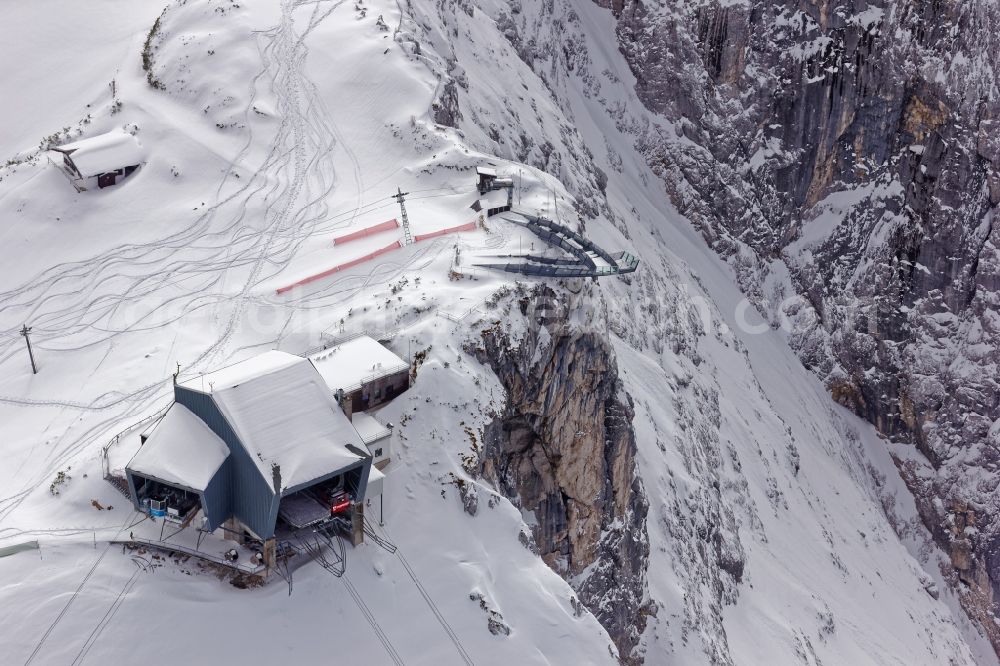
(214,499)
(252,500)
(238,489)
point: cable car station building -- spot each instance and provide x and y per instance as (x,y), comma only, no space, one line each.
(260,448)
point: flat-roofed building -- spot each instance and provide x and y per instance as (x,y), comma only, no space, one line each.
(367,372)
(376,435)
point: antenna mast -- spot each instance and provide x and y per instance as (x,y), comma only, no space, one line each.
(399,196)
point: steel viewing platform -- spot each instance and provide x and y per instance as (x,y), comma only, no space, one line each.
(583,258)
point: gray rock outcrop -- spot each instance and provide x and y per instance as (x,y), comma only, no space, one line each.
(563,450)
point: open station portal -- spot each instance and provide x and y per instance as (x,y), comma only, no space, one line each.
(262,450)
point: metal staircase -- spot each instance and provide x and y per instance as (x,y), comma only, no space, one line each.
(120,483)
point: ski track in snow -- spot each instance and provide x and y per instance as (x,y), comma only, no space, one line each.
(158,263)
(68,301)
(186,271)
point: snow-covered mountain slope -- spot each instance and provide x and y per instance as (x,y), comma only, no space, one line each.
(776,528)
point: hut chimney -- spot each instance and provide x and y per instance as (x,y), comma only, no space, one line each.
(276,477)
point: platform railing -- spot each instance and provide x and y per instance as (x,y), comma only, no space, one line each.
(105,462)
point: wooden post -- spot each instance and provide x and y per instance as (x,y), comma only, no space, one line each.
(25,330)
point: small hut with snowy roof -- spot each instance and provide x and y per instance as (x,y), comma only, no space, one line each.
(98,161)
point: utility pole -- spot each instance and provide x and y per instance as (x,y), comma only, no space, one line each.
(402,208)
(25,330)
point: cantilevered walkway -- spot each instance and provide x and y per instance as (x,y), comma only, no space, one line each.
(582,257)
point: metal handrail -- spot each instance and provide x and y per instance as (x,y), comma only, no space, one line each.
(105,463)
(378,374)
(194,552)
(347,337)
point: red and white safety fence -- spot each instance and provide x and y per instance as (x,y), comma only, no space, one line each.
(471,226)
(368,231)
(395,245)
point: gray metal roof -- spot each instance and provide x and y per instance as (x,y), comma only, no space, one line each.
(284,416)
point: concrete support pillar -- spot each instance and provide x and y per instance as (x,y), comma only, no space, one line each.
(270,553)
(357,524)
(232,530)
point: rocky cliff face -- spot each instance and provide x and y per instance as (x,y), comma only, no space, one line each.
(844,157)
(563,450)
(839,155)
